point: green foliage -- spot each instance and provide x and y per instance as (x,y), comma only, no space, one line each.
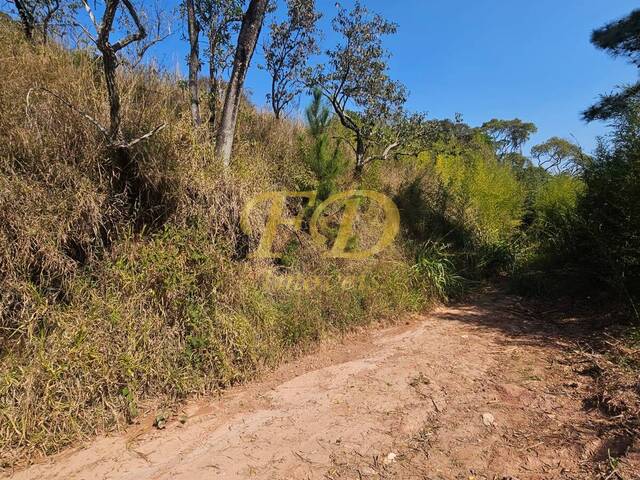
(435,268)
(490,260)
(583,231)
(508,136)
(613,105)
(487,193)
(611,204)
(620,39)
(326,161)
(354,78)
(468,199)
(287,52)
(554,203)
(560,155)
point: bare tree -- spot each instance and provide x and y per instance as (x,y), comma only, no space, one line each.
(110,60)
(52,8)
(219,19)
(109,53)
(247,39)
(38,15)
(194,61)
(355,81)
(287,52)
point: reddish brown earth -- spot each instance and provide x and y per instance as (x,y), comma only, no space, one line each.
(481,390)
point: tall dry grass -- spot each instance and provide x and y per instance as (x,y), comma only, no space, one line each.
(110,305)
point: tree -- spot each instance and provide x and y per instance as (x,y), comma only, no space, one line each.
(109,51)
(326,164)
(247,39)
(355,81)
(286,54)
(194,61)
(560,156)
(129,16)
(508,136)
(614,104)
(610,207)
(38,14)
(219,19)
(620,39)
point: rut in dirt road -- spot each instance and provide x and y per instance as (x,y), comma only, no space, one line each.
(472,391)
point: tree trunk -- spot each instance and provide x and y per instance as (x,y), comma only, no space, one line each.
(194,62)
(360,152)
(247,39)
(26,18)
(274,103)
(214,86)
(110,64)
(45,31)
(277,109)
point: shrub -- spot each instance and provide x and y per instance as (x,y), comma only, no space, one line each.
(436,270)
(487,193)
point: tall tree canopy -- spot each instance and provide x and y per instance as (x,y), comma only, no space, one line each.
(559,155)
(508,136)
(620,39)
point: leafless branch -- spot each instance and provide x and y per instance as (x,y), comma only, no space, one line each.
(143,137)
(385,153)
(133,37)
(69,105)
(85,31)
(91,15)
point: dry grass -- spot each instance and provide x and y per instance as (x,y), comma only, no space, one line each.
(108,303)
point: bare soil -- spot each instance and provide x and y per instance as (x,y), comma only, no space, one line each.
(483,390)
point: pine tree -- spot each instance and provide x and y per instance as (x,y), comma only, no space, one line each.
(326,162)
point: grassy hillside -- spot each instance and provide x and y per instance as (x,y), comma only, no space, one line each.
(114,303)
(108,303)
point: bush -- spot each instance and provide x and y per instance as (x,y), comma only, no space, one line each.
(610,207)
(487,193)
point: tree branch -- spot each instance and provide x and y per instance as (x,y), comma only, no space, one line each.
(92,17)
(385,154)
(69,105)
(143,137)
(134,37)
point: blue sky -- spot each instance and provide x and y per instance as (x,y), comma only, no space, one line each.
(487,58)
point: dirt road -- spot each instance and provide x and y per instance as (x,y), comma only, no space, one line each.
(473,391)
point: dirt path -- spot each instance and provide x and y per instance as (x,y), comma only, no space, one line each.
(474,391)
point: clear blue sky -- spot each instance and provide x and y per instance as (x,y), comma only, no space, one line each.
(488,58)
